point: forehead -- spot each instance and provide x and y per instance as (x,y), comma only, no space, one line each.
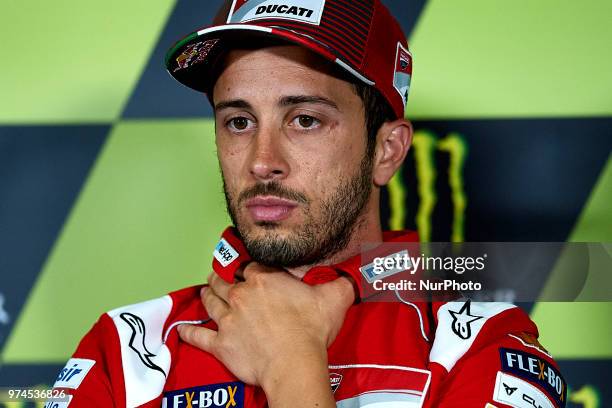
(274,67)
(288,54)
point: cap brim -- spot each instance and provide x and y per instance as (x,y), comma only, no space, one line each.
(192,60)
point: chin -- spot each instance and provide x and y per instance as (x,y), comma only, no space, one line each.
(267,226)
(256,228)
(268,229)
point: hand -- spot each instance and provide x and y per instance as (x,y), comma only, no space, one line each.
(271,323)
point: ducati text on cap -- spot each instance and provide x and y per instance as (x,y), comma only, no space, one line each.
(303,11)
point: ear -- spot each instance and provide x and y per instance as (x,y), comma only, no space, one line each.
(392,143)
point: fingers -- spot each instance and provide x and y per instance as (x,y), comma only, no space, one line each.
(339,292)
(199,337)
(345,290)
(254,269)
(220,286)
(214,305)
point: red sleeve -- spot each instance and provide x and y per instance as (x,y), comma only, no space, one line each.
(93,377)
(514,371)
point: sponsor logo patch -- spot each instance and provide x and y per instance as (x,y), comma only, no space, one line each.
(403,72)
(58,404)
(226,395)
(535,370)
(334,380)
(509,390)
(462,321)
(368,271)
(388,386)
(73,373)
(225,253)
(304,11)
(515,392)
(194,54)
(137,341)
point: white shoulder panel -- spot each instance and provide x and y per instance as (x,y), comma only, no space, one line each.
(144,356)
(459,323)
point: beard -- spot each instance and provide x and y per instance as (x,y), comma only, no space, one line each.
(318,238)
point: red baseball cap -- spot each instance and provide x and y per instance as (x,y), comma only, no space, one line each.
(360,36)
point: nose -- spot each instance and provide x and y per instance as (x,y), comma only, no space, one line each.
(268,161)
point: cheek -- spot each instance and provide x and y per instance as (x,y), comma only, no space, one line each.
(332,162)
(327,175)
(230,164)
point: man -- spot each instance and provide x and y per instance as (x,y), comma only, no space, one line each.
(309,100)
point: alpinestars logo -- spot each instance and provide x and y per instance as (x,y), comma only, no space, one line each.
(137,341)
(462,321)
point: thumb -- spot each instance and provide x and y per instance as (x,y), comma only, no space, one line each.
(340,292)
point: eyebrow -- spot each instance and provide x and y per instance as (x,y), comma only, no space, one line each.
(234,103)
(299,99)
(284,101)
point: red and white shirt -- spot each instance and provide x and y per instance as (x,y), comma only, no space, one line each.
(387,354)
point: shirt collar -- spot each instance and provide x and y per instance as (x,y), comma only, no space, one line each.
(230,255)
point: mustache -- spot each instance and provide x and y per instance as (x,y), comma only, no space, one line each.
(272,188)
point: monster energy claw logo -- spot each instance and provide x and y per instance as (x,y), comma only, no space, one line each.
(425,146)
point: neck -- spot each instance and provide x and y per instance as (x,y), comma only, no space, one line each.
(367,231)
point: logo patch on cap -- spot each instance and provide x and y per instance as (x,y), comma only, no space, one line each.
(194,53)
(403,72)
(304,11)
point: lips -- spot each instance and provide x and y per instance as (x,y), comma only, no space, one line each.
(269,208)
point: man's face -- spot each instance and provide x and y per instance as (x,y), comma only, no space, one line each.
(291,141)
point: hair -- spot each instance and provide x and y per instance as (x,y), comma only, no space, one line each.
(377,111)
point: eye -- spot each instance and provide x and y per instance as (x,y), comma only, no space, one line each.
(239,124)
(306,121)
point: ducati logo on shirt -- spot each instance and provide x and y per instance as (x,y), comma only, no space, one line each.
(137,341)
(226,395)
(462,321)
(334,380)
